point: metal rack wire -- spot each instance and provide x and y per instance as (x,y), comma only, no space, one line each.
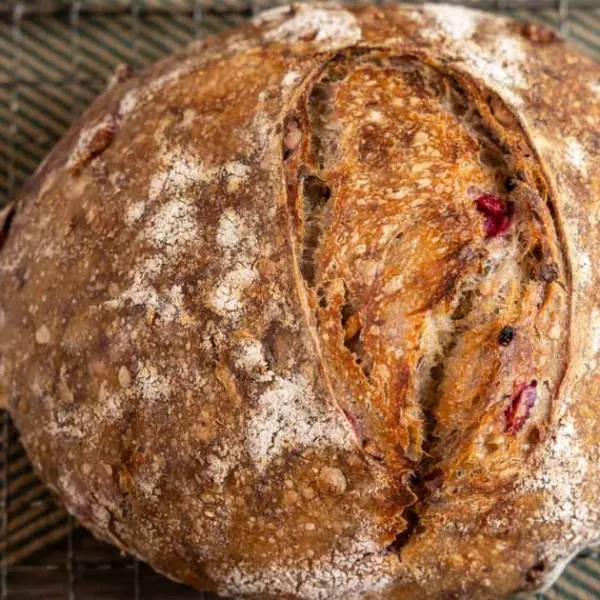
(55,56)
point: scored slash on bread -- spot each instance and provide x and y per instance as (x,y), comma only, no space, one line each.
(309,310)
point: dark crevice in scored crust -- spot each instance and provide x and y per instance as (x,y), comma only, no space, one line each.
(315,198)
(352,327)
(323,139)
(505,150)
(430,392)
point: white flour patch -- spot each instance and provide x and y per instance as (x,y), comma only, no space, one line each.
(240,249)
(509,51)
(170,230)
(562,471)
(128,102)
(61,423)
(148,477)
(258,134)
(140,95)
(55,429)
(584,265)
(226,299)
(151,384)
(330,28)
(250,355)
(142,291)
(180,172)
(500,65)
(217,469)
(288,417)
(175,223)
(238,170)
(72,492)
(134,212)
(290,78)
(499,61)
(238,43)
(109,405)
(456,21)
(394,284)
(83,423)
(173,226)
(228,231)
(357,568)
(595,331)
(575,154)
(175,297)
(250,358)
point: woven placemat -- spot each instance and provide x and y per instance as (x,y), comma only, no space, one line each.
(55,57)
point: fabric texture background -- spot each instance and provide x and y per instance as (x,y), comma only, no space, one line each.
(55,57)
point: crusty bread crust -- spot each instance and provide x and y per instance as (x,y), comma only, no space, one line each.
(311,310)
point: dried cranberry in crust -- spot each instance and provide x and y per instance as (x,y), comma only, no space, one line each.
(497,214)
(519,409)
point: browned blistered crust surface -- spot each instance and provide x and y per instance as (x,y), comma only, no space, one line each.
(253,322)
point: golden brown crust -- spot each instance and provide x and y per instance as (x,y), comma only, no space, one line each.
(310,311)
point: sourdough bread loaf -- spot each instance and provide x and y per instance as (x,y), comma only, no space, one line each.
(312,311)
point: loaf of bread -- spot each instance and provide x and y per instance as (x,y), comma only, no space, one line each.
(312,310)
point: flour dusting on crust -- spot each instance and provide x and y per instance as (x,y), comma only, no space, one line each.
(135,212)
(456,21)
(143,290)
(290,78)
(289,417)
(151,384)
(137,96)
(236,174)
(576,155)
(226,300)
(179,173)
(249,357)
(584,267)
(499,59)
(229,230)
(350,572)
(238,241)
(595,332)
(500,65)
(328,28)
(563,469)
(174,225)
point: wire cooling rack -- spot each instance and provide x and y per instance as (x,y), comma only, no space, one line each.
(55,57)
